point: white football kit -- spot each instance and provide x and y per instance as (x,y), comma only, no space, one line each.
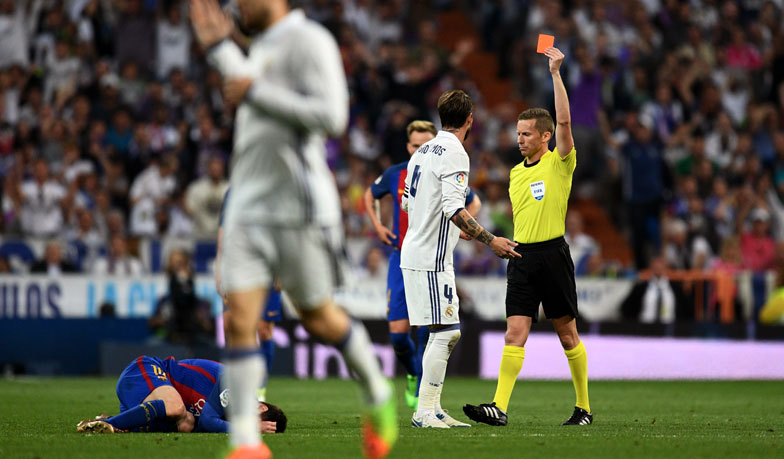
(283,218)
(436,188)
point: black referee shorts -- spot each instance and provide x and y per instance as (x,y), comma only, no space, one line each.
(544,274)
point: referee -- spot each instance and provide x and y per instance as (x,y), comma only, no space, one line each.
(539,189)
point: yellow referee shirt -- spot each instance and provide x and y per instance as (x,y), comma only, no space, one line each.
(539,194)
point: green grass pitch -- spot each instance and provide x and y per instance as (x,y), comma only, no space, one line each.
(633,419)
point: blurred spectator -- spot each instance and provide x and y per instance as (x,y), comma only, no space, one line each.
(53,264)
(645,182)
(581,245)
(107,310)
(375,265)
(758,248)
(181,316)
(173,41)
(682,252)
(665,111)
(721,142)
(204,197)
(118,262)
(149,193)
(135,35)
(657,300)
(17,21)
(85,238)
(43,201)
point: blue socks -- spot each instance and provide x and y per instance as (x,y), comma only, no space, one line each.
(406,353)
(423,334)
(268,352)
(142,416)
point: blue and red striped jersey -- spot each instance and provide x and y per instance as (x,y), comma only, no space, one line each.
(393,181)
(194,380)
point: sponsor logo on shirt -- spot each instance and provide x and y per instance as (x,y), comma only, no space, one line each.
(460,178)
(537,190)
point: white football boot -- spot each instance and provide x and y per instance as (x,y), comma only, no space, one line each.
(428,421)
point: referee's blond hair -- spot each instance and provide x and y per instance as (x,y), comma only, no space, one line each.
(544,122)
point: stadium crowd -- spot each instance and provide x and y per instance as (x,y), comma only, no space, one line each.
(114,129)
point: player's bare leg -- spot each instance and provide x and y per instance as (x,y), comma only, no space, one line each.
(161,411)
(175,408)
(566,327)
(332,325)
(405,350)
(244,371)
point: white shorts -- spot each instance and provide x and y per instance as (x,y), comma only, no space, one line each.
(309,262)
(431,297)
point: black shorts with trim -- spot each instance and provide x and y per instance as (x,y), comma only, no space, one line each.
(544,274)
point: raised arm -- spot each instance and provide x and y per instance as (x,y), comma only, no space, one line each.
(563,118)
(321,104)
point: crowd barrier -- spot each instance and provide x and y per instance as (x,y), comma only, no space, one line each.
(106,346)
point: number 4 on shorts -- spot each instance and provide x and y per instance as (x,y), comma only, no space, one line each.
(448,293)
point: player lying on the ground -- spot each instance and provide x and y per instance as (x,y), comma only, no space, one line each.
(166,395)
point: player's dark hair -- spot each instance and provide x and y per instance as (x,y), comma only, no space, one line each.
(544,122)
(453,108)
(275,414)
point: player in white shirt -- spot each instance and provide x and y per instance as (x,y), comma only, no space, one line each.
(283,219)
(434,197)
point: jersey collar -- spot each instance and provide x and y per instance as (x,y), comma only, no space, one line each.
(447,135)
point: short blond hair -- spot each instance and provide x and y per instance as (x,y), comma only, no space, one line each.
(544,122)
(421,126)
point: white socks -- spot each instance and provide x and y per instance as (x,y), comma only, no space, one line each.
(244,372)
(358,353)
(437,352)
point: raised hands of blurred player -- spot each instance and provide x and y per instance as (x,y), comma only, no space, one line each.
(235,89)
(210,24)
(503,247)
(465,236)
(268,427)
(385,235)
(556,58)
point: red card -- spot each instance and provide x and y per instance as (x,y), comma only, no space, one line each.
(545,41)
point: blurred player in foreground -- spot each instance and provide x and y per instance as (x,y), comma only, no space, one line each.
(539,188)
(436,186)
(283,220)
(271,313)
(391,182)
(167,395)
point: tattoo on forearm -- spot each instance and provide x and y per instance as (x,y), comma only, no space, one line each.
(473,228)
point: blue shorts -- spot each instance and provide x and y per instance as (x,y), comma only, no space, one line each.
(274,307)
(139,379)
(396,293)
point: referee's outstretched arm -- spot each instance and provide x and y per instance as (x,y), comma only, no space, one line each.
(563,118)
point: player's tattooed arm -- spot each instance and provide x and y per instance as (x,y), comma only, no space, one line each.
(501,246)
(471,227)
